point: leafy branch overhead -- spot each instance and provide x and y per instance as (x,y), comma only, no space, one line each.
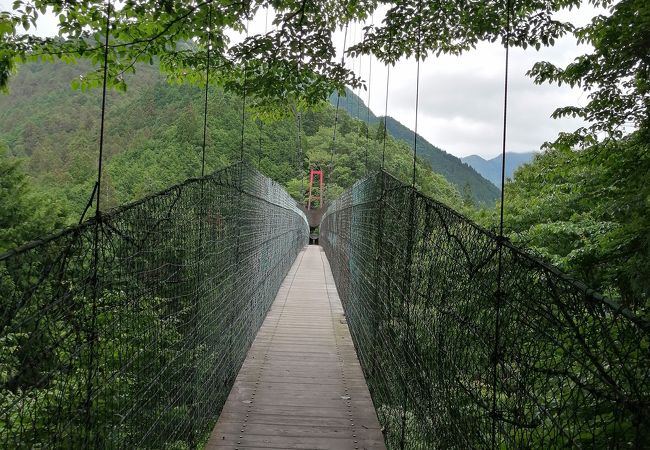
(616,74)
(296,59)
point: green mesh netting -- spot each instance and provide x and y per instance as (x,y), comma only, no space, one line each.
(138,344)
(565,367)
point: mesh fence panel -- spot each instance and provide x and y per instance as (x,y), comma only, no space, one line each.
(135,342)
(563,367)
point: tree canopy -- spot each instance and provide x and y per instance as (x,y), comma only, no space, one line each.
(296,59)
(616,74)
(154,136)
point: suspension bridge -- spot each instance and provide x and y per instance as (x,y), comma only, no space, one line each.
(200,317)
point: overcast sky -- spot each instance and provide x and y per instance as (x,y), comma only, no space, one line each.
(461,98)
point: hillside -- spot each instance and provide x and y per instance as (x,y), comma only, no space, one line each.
(154,138)
(451,167)
(491,168)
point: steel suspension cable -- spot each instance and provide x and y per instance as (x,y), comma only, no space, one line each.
(100,158)
(368,104)
(406,300)
(383,151)
(417,95)
(240,188)
(243,103)
(358,98)
(266,21)
(338,100)
(207,84)
(499,291)
(260,124)
(194,373)
(300,162)
(92,334)
(299,117)
(354,65)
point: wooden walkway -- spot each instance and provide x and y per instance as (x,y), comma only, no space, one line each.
(301,386)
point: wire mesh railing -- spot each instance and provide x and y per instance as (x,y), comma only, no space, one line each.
(128,331)
(452,363)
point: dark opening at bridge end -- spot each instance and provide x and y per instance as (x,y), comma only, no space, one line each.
(314,233)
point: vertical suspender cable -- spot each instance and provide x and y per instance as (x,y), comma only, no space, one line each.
(260,147)
(338,100)
(505,118)
(411,228)
(385,131)
(358,97)
(368,102)
(381,281)
(194,413)
(300,161)
(299,116)
(499,291)
(243,104)
(383,151)
(103,114)
(95,274)
(347,97)
(260,124)
(415,132)
(207,84)
(240,190)
(417,104)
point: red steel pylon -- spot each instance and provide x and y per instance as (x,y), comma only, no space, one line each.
(313,172)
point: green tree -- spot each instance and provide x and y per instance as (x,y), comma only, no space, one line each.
(379,133)
(276,67)
(615,74)
(25,214)
(468,199)
(587,212)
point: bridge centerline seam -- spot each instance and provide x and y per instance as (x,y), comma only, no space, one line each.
(266,353)
(346,395)
(318,411)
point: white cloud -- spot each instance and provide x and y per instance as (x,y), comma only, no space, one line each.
(461,98)
(46,24)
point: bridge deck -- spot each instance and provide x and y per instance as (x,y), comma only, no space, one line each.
(301,386)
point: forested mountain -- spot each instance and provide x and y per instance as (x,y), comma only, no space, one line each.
(123,333)
(587,213)
(154,136)
(491,168)
(451,167)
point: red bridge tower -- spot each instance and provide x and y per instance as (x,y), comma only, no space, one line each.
(313,172)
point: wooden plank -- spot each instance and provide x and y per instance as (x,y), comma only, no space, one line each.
(301,386)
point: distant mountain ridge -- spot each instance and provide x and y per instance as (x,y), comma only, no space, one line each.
(452,168)
(491,168)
